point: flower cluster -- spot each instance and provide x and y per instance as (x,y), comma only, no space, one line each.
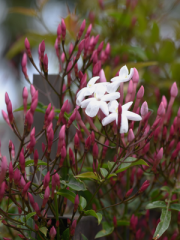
(103,97)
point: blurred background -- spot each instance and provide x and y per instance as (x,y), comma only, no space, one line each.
(143,34)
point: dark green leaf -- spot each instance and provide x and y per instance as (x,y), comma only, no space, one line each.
(163,224)
(165,188)
(76,184)
(67,194)
(175,206)
(154,33)
(94,214)
(66,234)
(40,108)
(156,204)
(107,230)
(83,237)
(82,203)
(104,172)
(30,162)
(166,51)
(123,223)
(87,175)
(29,216)
(130,162)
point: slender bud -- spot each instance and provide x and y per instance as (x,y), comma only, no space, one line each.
(46,197)
(45,62)
(71,157)
(76,203)
(135,77)
(133,223)
(81,30)
(144,186)
(95,151)
(59,33)
(72,228)
(108,49)
(80,48)
(129,192)
(4,166)
(27,46)
(25,189)
(2,190)
(102,76)
(76,141)
(17,177)
(174,90)
(72,118)
(88,31)
(52,233)
(63,29)
(97,68)
(140,93)
(46,180)
(164,100)
(161,109)
(87,143)
(144,109)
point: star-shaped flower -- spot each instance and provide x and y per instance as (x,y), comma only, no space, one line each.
(125,116)
(124,76)
(99,100)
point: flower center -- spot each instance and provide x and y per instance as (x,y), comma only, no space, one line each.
(116,110)
(95,95)
(89,85)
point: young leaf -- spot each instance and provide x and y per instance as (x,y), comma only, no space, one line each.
(156,204)
(76,184)
(107,230)
(163,224)
(104,172)
(94,214)
(130,162)
(87,175)
(165,188)
(67,194)
(40,108)
(82,203)
(123,223)
(30,162)
(29,216)
(43,230)
(83,237)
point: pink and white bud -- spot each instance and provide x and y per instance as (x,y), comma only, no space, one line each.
(81,30)
(102,76)
(63,29)
(27,46)
(130,135)
(135,77)
(144,109)
(52,233)
(174,90)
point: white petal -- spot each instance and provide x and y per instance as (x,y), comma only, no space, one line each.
(131,73)
(92,108)
(115,79)
(132,116)
(99,91)
(92,81)
(86,91)
(104,107)
(123,72)
(110,118)
(80,98)
(112,87)
(124,124)
(111,96)
(126,106)
(86,102)
(113,105)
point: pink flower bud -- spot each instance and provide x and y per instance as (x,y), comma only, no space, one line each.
(11,172)
(63,57)
(72,118)
(97,68)
(80,48)
(76,141)
(95,151)
(42,47)
(46,180)
(164,100)
(130,135)
(2,190)
(160,154)
(7,98)
(129,192)
(10,113)
(76,203)
(100,47)
(88,31)
(46,197)
(22,161)
(102,76)
(71,157)
(63,29)
(5,116)
(174,90)
(81,30)
(130,87)
(144,186)
(4,166)
(161,109)
(29,120)
(140,93)
(133,223)
(24,61)
(49,223)
(17,177)
(59,33)
(115,221)
(87,143)
(135,77)
(108,49)
(63,152)
(52,233)
(25,189)
(104,151)
(45,62)
(27,46)
(144,109)
(73,227)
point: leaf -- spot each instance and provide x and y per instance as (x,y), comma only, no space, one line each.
(175,206)
(163,224)
(104,172)
(94,214)
(76,184)
(25,11)
(111,175)
(30,163)
(82,203)
(66,234)
(40,108)
(165,188)
(154,37)
(71,22)
(29,216)
(110,165)
(123,223)
(107,230)
(43,230)
(130,162)
(87,175)
(156,204)
(83,237)
(67,194)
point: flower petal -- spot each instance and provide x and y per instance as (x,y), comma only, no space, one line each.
(86,102)
(79,99)
(86,91)
(110,118)
(104,107)
(126,106)
(100,90)
(132,116)
(92,108)
(111,96)
(124,124)
(113,106)
(112,87)
(92,81)
(115,79)
(123,72)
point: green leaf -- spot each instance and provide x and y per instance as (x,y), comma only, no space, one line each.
(175,206)
(163,224)
(76,184)
(30,162)
(87,175)
(156,204)
(107,230)
(165,188)
(25,11)
(111,175)
(154,37)
(40,108)
(110,165)
(66,234)
(82,203)
(83,237)
(29,216)
(176,190)
(104,172)
(67,194)
(166,51)
(94,214)
(123,223)
(43,230)
(130,162)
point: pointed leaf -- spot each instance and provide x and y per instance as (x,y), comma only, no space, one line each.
(107,230)
(83,237)
(104,172)
(66,234)
(156,204)
(76,184)
(67,194)
(94,214)
(82,203)
(175,206)
(43,230)
(87,175)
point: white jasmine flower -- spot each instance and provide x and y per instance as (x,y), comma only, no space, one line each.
(99,100)
(125,116)
(87,91)
(124,76)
